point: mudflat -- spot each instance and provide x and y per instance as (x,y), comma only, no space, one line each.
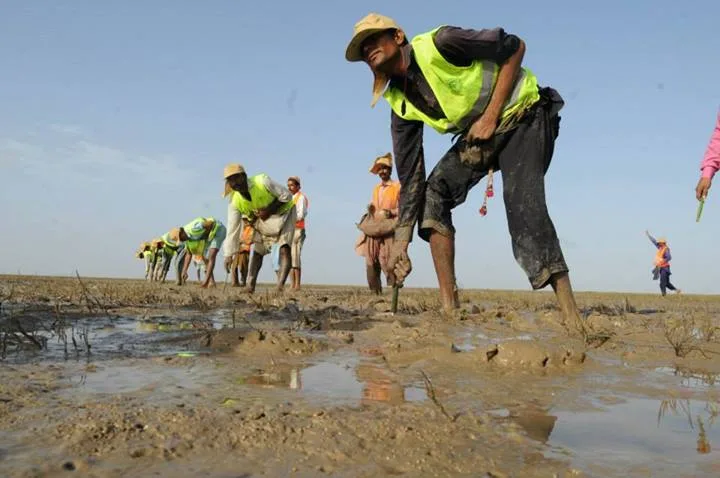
(108,378)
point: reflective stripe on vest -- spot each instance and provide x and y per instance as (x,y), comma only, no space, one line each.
(462,91)
(660,257)
(260,197)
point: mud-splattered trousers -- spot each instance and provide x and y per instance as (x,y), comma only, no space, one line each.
(523,155)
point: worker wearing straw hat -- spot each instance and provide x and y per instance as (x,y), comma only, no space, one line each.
(269,207)
(384,204)
(145,252)
(166,247)
(202,236)
(469,83)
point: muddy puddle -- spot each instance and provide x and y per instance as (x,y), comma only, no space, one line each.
(46,339)
(672,437)
(161,356)
(332,380)
(337,380)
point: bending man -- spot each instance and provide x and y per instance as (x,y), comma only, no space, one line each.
(200,235)
(270,208)
(469,83)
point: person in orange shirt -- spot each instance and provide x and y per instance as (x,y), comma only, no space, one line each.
(246,239)
(385,203)
(662,264)
(301,210)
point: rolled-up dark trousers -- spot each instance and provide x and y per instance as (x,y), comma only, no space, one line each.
(523,156)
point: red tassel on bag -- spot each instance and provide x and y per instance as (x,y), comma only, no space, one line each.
(489,192)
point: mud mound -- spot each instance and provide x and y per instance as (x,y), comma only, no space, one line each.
(252,342)
(522,353)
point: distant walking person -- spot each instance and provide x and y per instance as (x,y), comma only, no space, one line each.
(662,264)
(710,163)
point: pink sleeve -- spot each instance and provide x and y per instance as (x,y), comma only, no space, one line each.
(711,161)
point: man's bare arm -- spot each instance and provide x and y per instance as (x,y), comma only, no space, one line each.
(505,81)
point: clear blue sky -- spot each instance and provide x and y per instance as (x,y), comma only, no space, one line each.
(117,119)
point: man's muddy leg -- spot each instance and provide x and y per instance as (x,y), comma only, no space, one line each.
(373,277)
(210,272)
(442,249)
(446,188)
(244,263)
(182,265)
(284,266)
(536,247)
(293,278)
(235,280)
(254,269)
(296,275)
(560,283)
(386,246)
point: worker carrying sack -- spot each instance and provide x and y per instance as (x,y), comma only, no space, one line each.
(377,227)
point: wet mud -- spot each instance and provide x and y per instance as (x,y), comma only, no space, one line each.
(114,378)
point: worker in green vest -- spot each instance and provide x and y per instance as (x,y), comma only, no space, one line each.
(165,249)
(269,207)
(203,236)
(469,83)
(145,252)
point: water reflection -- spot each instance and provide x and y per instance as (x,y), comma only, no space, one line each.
(537,424)
(683,408)
(355,381)
(672,437)
(378,386)
(691,378)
